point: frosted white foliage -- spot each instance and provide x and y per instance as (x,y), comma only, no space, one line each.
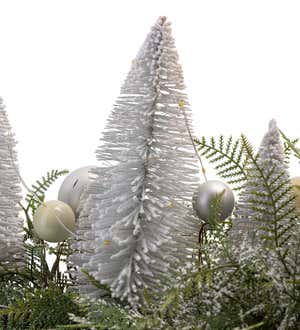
(258,215)
(11,225)
(138,215)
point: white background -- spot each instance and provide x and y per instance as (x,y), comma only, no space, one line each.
(62,64)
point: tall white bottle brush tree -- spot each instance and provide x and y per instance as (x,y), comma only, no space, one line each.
(137,224)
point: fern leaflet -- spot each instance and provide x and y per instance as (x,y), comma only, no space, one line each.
(290,146)
(227,157)
(37,193)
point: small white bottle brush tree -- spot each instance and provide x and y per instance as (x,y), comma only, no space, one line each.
(11,224)
(265,215)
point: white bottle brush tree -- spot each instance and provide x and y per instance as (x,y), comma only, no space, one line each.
(265,215)
(266,223)
(140,223)
(255,277)
(11,224)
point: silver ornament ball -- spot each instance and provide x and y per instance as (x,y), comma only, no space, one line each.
(206,193)
(74,185)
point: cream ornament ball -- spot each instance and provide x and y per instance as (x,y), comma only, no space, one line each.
(206,193)
(74,185)
(296,189)
(54,221)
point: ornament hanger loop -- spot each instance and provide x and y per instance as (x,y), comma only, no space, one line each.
(181,107)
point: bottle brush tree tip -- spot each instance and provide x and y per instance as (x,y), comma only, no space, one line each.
(273,124)
(162,19)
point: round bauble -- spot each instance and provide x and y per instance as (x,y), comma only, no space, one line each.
(74,185)
(206,193)
(54,221)
(296,190)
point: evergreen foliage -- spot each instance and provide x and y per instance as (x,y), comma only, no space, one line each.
(33,294)
(36,195)
(237,285)
(227,157)
(40,309)
(37,249)
(103,315)
(291,146)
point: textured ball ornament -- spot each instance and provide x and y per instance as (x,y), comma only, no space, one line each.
(74,185)
(48,218)
(296,190)
(206,193)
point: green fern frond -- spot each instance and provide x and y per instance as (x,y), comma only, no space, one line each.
(105,289)
(247,146)
(273,203)
(288,151)
(37,193)
(42,309)
(36,249)
(215,210)
(227,157)
(290,146)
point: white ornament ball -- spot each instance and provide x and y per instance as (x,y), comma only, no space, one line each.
(296,190)
(206,193)
(51,220)
(74,185)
